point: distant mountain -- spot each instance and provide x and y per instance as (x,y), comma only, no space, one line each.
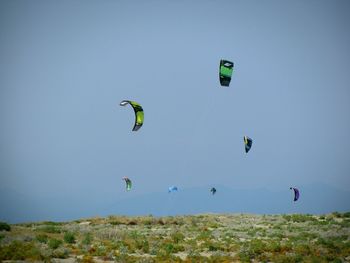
(314,199)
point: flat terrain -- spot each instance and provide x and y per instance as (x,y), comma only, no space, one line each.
(198,238)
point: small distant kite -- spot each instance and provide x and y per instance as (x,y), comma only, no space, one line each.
(139,115)
(128,183)
(225,72)
(172,189)
(213,190)
(296,193)
(248,143)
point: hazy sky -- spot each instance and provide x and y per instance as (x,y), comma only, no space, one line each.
(66,65)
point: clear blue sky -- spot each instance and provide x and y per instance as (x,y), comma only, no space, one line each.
(66,65)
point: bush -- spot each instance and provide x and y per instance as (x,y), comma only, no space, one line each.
(347,214)
(257,246)
(54,243)
(142,244)
(213,247)
(42,238)
(336,214)
(5,226)
(132,223)
(87,239)
(177,237)
(116,222)
(69,238)
(148,221)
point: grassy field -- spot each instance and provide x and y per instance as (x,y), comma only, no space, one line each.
(198,238)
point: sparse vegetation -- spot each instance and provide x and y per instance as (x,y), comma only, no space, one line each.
(201,238)
(18,250)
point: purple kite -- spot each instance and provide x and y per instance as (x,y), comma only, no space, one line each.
(296,193)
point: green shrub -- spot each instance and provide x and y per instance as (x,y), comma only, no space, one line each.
(100,251)
(213,247)
(177,237)
(205,235)
(287,217)
(347,214)
(132,223)
(303,249)
(142,244)
(170,248)
(160,222)
(69,237)
(257,246)
(87,239)
(337,214)
(245,255)
(42,238)
(116,223)
(273,246)
(5,226)
(54,243)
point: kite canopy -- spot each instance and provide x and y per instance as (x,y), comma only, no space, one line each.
(128,183)
(225,72)
(296,193)
(248,143)
(213,190)
(172,189)
(139,116)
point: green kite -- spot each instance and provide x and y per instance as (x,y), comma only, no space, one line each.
(225,72)
(128,183)
(139,116)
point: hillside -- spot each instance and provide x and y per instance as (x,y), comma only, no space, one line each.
(197,238)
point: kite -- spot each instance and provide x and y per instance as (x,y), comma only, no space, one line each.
(296,193)
(139,116)
(172,189)
(225,72)
(248,143)
(128,183)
